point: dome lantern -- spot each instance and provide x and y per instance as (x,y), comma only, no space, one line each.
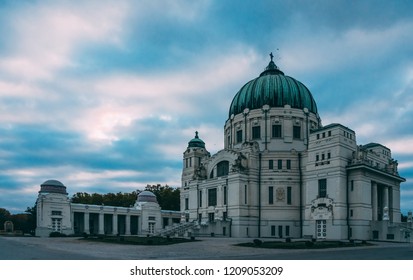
(196,142)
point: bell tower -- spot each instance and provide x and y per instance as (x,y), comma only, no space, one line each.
(192,159)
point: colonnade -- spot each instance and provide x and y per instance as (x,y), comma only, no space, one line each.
(381,202)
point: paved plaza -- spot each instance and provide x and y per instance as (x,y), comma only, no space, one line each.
(26,248)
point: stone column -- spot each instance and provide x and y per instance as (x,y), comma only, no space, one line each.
(115,224)
(386,196)
(374,200)
(101,223)
(86,221)
(220,197)
(127,221)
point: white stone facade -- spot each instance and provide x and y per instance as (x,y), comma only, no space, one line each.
(55,213)
(282,174)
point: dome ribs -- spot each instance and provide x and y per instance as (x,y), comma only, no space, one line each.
(275,89)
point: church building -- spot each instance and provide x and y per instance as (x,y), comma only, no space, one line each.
(284,174)
(281,174)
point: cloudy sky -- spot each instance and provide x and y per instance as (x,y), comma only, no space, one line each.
(105,95)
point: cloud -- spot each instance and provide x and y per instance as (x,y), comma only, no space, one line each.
(45,37)
(106,96)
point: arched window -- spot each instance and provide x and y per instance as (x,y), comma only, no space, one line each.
(222,168)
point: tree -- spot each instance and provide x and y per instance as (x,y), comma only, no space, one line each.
(110,199)
(31,218)
(168,197)
(4,216)
(25,222)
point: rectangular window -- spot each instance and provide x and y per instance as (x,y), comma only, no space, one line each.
(288,164)
(270,195)
(317,157)
(329,133)
(239,136)
(224,215)
(328,155)
(352,185)
(271,164)
(280,231)
(186,203)
(256,132)
(225,196)
(322,188)
(323,156)
(276,131)
(199,217)
(245,194)
(287,230)
(211,217)
(289,195)
(280,164)
(229,141)
(56,213)
(200,199)
(351,212)
(297,132)
(272,230)
(212,197)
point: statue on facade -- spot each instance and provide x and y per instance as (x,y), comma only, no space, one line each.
(240,163)
(200,173)
(386,213)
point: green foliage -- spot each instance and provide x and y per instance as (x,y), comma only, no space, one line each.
(257,242)
(168,197)
(4,216)
(25,222)
(57,234)
(119,199)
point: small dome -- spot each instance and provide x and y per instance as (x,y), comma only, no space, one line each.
(275,89)
(53,186)
(196,142)
(147,196)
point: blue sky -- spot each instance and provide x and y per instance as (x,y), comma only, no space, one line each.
(105,95)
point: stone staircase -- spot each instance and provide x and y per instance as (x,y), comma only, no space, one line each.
(178,229)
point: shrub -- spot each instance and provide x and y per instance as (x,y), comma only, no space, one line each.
(309,244)
(56,234)
(288,240)
(257,242)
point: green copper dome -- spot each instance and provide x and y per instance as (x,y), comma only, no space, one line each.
(196,142)
(275,89)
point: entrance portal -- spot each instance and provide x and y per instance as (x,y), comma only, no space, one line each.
(321,229)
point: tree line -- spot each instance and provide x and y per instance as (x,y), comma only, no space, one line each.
(168,197)
(25,222)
